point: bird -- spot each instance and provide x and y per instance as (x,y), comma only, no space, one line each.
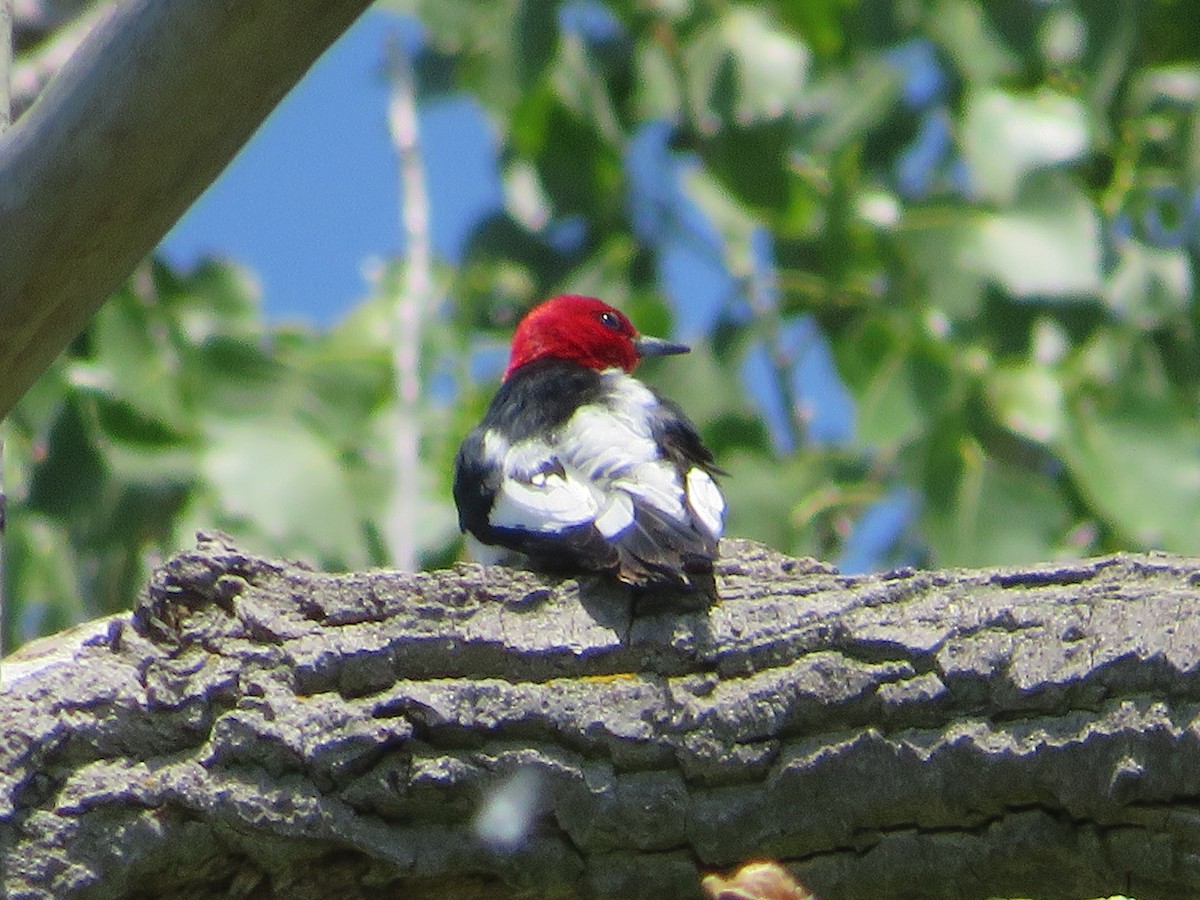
(578,467)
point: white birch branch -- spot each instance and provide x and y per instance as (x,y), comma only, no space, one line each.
(413,300)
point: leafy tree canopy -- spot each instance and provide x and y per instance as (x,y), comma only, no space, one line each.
(937,260)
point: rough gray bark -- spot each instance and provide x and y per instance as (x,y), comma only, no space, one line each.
(140,120)
(256,729)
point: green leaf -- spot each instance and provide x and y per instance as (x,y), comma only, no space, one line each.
(70,478)
(749,162)
(160,465)
(1149,285)
(732,219)
(819,22)
(339,386)
(482,40)
(745,69)
(1138,464)
(850,103)
(216,298)
(285,488)
(1178,84)
(536,37)
(229,377)
(1029,399)
(1046,245)
(657,89)
(935,241)
(580,172)
(132,362)
(580,79)
(762,492)
(40,583)
(605,273)
(878,365)
(699,383)
(990,513)
(962,29)
(1005,136)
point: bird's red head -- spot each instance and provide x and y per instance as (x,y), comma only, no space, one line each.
(583,330)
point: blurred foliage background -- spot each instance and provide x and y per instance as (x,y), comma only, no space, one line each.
(936,260)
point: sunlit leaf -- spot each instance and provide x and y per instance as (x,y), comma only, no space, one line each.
(1007,135)
(936,242)
(1149,285)
(1046,245)
(656,83)
(1029,399)
(746,69)
(732,219)
(963,30)
(289,484)
(216,298)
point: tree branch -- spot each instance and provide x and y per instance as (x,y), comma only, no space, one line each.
(151,107)
(6,62)
(411,305)
(257,728)
(65,31)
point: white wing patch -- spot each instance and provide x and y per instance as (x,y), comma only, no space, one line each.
(547,502)
(706,501)
(536,492)
(616,516)
(604,445)
(658,484)
(604,458)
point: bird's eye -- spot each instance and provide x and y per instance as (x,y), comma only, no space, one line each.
(610,321)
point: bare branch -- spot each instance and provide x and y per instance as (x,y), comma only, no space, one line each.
(6,62)
(139,121)
(34,69)
(257,729)
(410,306)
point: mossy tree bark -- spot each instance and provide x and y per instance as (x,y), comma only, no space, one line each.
(257,729)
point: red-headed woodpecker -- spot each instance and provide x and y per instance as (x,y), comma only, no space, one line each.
(579,467)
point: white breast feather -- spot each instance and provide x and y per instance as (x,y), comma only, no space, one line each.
(613,446)
(495,448)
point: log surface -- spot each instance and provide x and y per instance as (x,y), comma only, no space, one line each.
(255,729)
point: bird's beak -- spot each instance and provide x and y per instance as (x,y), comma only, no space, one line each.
(652,346)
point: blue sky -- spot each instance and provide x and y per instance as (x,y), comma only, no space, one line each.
(313,198)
